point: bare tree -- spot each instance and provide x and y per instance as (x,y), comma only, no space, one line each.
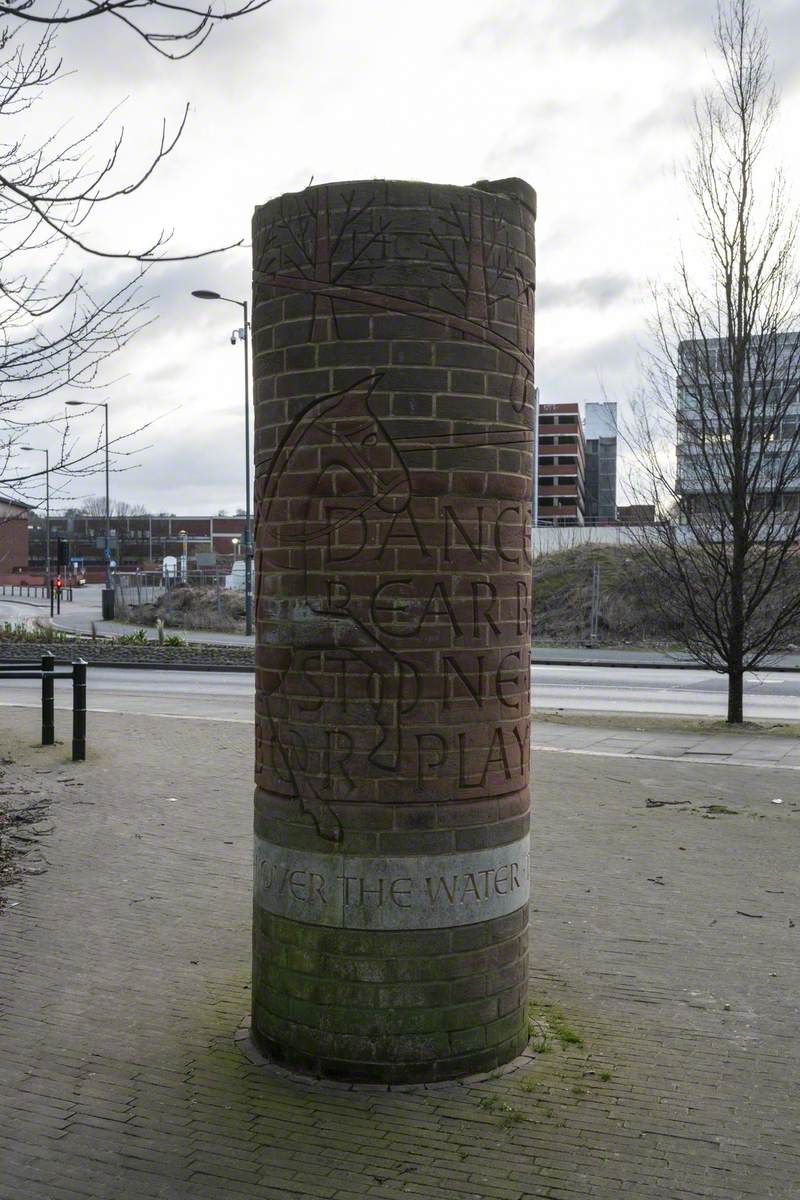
(57,331)
(717,430)
(95,506)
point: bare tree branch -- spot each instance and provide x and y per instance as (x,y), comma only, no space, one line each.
(154,21)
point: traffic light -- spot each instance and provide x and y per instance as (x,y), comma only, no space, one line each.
(62,557)
(59,583)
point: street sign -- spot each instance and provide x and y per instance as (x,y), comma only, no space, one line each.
(113,562)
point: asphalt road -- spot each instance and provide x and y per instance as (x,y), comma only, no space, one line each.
(188,695)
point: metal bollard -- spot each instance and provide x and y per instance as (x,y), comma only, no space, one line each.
(48,701)
(79,710)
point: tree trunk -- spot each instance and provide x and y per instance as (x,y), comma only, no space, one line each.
(735,697)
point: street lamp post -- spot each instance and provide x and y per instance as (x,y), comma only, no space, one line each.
(46,454)
(107,550)
(243,337)
(185,555)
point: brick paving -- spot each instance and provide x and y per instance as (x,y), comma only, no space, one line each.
(732,749)
(124,972)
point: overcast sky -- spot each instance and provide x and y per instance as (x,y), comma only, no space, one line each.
(589,101)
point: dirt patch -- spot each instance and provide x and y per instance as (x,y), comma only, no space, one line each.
(188,607)
(630,590)
(24,823)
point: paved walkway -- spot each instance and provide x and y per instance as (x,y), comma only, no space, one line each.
(666,918)
(723,749)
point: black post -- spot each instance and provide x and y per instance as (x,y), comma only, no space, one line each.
(79,710)
(48,701)
(58,602)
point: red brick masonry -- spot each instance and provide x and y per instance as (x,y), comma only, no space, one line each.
(393,339)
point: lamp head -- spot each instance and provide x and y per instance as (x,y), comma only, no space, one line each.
(204,294)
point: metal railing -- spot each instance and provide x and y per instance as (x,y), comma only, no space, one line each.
(38,590)
(48,674)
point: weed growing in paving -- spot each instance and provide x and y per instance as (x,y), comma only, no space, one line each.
(509,1115)
(546,1023)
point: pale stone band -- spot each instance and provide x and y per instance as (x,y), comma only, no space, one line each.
(433,891)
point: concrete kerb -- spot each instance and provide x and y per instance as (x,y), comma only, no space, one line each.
(244,1042)
(679,665)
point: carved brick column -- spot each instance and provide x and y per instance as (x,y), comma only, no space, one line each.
(393,347)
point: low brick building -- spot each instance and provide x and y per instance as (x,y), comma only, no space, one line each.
(13,535)
(141,540)
(561,465)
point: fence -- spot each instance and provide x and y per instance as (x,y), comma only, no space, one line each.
(145,587)
(48,674)
(139,587)
(39,591)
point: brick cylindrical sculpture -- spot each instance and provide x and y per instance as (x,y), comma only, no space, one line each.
(393,364)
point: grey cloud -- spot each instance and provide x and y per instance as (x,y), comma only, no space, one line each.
(674,113)
(645,20)
(596,291)
(501,30)
(586,372)
(529,130)
(197,470)
(631,20)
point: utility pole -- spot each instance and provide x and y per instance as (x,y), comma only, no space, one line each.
(594,619)
(242,335)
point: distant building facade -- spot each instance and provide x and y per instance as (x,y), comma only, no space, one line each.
(600,428)
(636,514)
(14,517)
(702,440)
(141,541)
(561,466)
